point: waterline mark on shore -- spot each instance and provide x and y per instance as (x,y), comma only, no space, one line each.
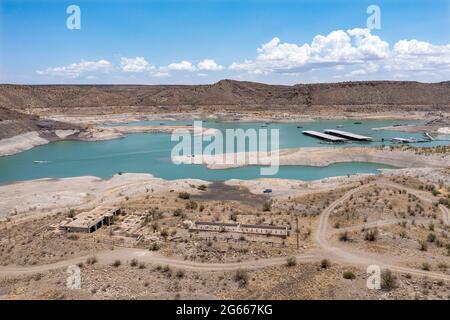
(237,148)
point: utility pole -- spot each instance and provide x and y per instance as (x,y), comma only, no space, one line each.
(297,230)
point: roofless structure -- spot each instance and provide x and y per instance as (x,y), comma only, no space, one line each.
(347,135)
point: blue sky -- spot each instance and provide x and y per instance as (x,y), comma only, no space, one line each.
(190,42)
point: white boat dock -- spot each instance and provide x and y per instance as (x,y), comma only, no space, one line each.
(323,136)
(404,140)
(347,135)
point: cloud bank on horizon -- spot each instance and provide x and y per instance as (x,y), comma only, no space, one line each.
(352,54)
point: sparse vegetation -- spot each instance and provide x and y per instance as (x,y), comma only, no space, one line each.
(371,235)
(179,274)
(241,276)
(291,261)
(91,260)
(349,275)
(388,280)
(134,263)
(267,206)
(426,266)
(73,236)
(154,246)
(184,195)
(343,236)
(325,264)
(191,205)
(116,263)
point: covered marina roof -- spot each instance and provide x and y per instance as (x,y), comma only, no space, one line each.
(323,136)
(348,135)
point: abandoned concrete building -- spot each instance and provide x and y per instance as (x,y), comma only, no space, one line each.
(278,231)
(90,221)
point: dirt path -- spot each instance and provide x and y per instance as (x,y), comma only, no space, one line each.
(361,258)
(143,255)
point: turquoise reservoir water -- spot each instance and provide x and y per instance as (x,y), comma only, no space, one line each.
(150,153)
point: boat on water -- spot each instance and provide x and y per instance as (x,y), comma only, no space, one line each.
(40,161)
(357,122)
(339,126)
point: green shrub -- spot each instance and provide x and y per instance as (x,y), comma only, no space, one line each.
(91,260)
(191,205)
(371,235)
(423,246)
(134,262)
(426,266)
(241,276)
(325,264)
(291,261)
(267,206)
(73,236)
(344,236)
(180,274)
(431,237)
(177,212)
(184,195)
(388,280)
(116,263)
(349,275)
(154,247)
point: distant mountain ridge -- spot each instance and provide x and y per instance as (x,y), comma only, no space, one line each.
(229,93)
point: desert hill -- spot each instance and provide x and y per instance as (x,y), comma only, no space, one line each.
(228,92)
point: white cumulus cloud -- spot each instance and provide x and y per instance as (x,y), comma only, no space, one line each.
(138,64)
(182,66)
(76,70)
(357,49)
(209,65)
(338,48)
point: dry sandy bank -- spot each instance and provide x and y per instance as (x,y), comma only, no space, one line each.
(21,143)
(46,196)
(238,116)
(37,198)
(320,157)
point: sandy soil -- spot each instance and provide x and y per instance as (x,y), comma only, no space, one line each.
(21,143)
(44,196)
(248,116)
(320,157)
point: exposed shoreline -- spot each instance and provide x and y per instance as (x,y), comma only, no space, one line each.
(321,157)
(29,140)
(244,117)
(51,195)
(86,192)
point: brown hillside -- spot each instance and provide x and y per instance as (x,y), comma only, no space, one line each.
(230,93)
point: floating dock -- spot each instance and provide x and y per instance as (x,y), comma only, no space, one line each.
(323,136)
(404,140)
(347,135)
